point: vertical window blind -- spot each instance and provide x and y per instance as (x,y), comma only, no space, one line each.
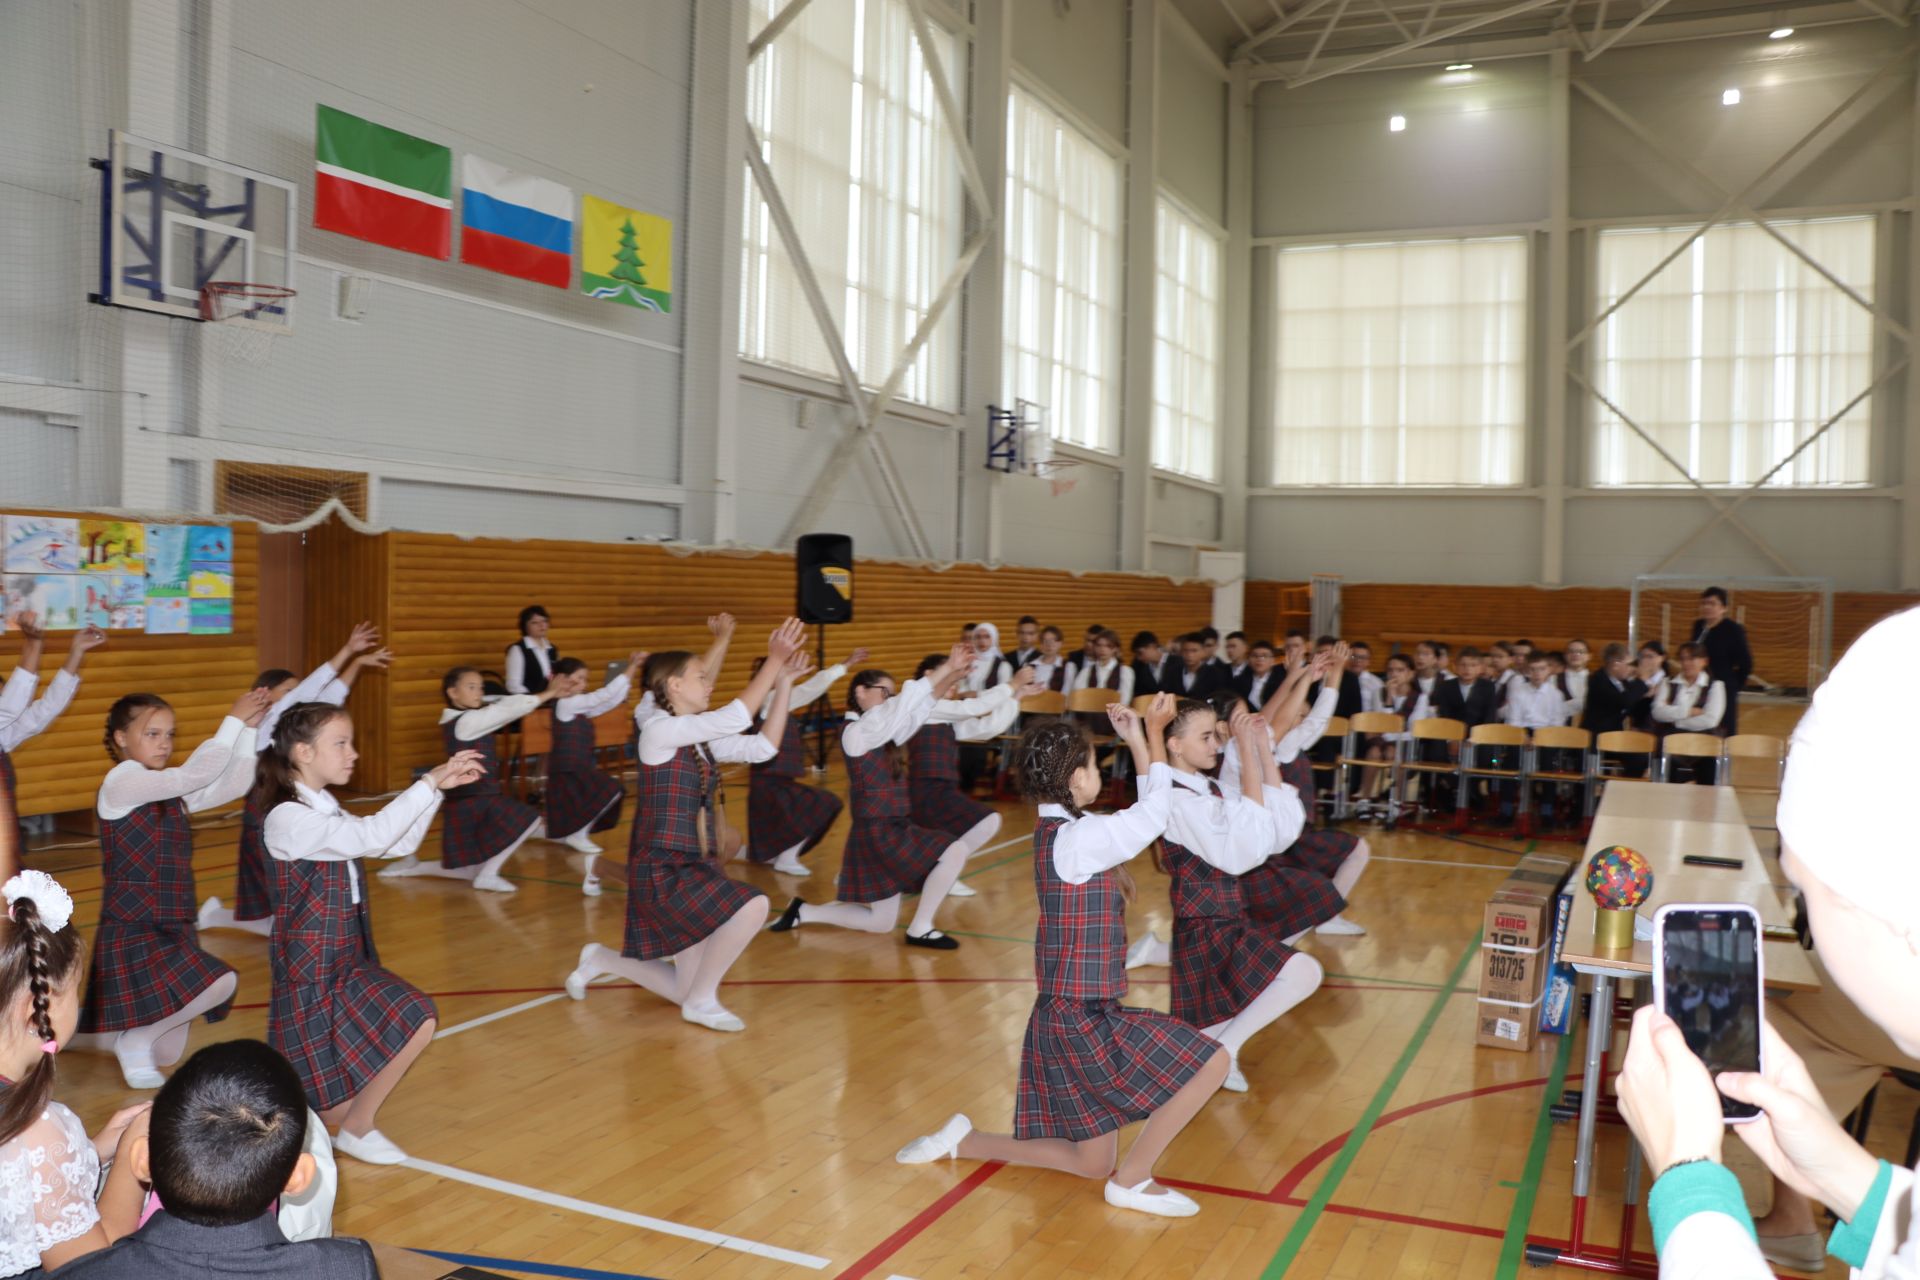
(1186,345)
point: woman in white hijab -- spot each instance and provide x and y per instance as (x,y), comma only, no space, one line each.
(1856,859)
(989,669)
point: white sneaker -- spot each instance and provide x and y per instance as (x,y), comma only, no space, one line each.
(1166,1202)
(961,889)
(407,866)
(1341,927)
(583,841)
(494,882)
(371,1147)
(590,886)
(210,914)
(1150,950)
(582,974)
(789,864)
(714,1017)
(939,1145)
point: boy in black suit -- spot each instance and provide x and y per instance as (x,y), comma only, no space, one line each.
(1148,660)
(1194,676)
(1615,695)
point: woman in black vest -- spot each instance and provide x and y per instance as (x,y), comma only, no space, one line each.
(530,659)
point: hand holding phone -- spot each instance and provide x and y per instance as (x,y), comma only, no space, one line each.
(1706,978)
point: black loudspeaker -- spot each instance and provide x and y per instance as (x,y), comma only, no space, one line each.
(825,565)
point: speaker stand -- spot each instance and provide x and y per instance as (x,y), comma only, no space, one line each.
(820,722)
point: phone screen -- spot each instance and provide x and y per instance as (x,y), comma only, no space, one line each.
(1710,981)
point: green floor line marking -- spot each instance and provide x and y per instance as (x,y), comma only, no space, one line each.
(1511,1186)
(999,862)
(1337,1170)
(1513,1245)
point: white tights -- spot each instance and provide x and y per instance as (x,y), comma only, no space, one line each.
(485,870)
(692,977)
(163,1043)
(1299,978)
(880,917)
(1349,873)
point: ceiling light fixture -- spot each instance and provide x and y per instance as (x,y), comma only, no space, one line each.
(1460,66)
(1730,98)
(1396,124)
(1779,33)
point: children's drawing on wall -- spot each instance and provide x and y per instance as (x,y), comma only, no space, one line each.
(42,544)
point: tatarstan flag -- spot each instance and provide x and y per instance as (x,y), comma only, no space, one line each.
(382,185)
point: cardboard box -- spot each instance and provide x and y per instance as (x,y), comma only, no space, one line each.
(1513,946)
(1563,984)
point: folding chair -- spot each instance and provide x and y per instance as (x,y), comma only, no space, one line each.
(1473,765)
(1405,761)
(1141,703)
(1366,723)
(1048,703)
(1690,746)
(1562,738)
(1089,706)
(526,760)
(1621,742)
(1753,746)
(1336,731)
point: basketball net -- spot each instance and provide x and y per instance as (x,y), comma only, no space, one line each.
(233,309)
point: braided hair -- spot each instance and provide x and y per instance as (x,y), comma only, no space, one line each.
(40,961)
(1047,756)
(660,668)
(122,714)
(273,779)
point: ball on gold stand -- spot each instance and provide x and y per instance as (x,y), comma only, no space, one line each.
(1619,880)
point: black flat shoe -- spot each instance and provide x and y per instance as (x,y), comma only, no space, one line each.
(789,919)
(935,941)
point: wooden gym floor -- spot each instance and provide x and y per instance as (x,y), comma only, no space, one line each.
(609,1139)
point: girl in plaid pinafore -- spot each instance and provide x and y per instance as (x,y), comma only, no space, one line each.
(1232,976)
(349,1027)
(150,979)
(330,682)
(1090,1065)
(786,818)
(933,755)
(583,798)
(483,825)
(887,854)
(687,922)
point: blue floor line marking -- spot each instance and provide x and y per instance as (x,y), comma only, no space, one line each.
(531,1268)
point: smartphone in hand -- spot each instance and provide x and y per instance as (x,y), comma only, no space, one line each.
(1706,977)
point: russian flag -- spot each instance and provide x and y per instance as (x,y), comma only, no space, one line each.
(514,223)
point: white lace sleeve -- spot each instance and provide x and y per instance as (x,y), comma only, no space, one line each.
(48,1175)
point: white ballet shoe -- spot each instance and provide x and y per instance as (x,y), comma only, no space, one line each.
(581,841)
(371,1147)
(1167,1203)
(1236,1081)
(714,1017)
(211,914)
(789,864)
(1341,927)
(1150,950)
(494,882)
(961,889)
(407,866)
(583,973)
(590,886)
(137,1066)
(938,1145)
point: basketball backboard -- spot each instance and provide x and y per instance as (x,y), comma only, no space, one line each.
(177,221)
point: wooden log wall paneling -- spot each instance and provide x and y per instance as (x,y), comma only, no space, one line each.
(1266,610)
(451,602)
(346,584)
(200,675)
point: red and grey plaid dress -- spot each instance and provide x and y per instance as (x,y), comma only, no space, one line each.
(479,819)
(933,783)
(336,1014)
(783,811)
(676,894)
(580,794)
(886,853)
(259,879)
(1090,1065)
(1221,958)
(147,961)
(8,781)
(1319,849)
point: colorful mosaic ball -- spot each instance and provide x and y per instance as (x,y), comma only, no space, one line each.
(1619,878)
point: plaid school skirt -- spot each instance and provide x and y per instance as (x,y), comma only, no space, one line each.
(340,1033)
(143,973)
(1089,1067)
(476,828)
(1288,899)
(1319,849)
(576,799)
(672,905)
(887,856)
(782,813)
(253,895)
(1220,963)
(939,805)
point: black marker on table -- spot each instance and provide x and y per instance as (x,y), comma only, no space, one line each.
(1702,860)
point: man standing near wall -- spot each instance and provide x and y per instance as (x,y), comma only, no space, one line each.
(1729,660)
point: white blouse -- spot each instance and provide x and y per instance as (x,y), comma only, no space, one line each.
(1532,706)
(975,680)
(1697,706)
(517,662)
(1094,676)
(1310,729)
(49,1174)
(893,721)
(727,734)
(1227,831)
(323,684)
(316,828)
(604,699)
(1094,842)
(21,716)
(218,772)
(478,723)
(978,719)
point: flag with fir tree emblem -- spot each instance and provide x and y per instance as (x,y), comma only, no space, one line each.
(626,256)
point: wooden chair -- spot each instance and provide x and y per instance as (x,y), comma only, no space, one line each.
(1089,706)
(1366,723)
(1621,742)
(1047,703)
(1563,738)
(526,758)
(1092,701)
(613,739)
(1473,765)
(1406,760)
(1336,730)
(1753,746)
(1691,746)
(1142,702)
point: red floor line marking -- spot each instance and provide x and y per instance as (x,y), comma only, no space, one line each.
(920,1222)
(1412,1220)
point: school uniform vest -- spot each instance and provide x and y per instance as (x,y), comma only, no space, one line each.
(148,861)
(1058,680)
(1080,948)
(933,754)
(488,783)
(573,745)
(877,795)
(319,924)
(531,673)
(1199,887)
(791,760)
(1109,681)
(672,797)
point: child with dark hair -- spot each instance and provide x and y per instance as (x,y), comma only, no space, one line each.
(1090,1066)
(49,1168)
(786,818)
(224,1142)
(939,802)
(581,798)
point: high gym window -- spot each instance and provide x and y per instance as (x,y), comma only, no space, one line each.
(846,113)
(1061,315)
(1400,363)
(1734,355)
(1186,345)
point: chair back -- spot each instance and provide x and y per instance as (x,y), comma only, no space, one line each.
(613,728)
(1438,729)
(1095,701)
(1336,729)
(1043,704)
(1377,722)
(536,734)
(1692,745)
(1560,737)
(1626,742)
(1497,735)
(1756,746)
(1142,702)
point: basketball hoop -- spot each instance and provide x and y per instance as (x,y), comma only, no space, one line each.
(235,307)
